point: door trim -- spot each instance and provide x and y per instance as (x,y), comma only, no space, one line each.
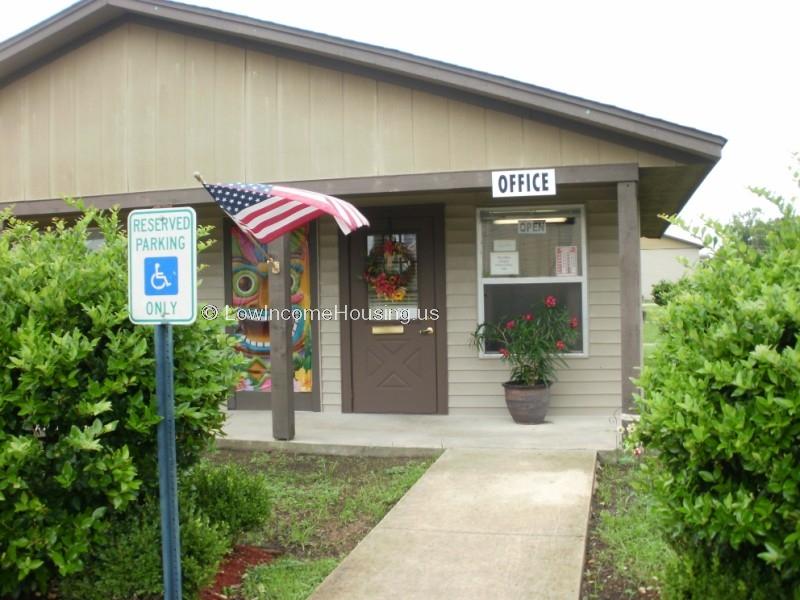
(440,295)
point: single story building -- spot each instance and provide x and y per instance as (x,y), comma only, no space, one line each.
(120,101)
(663,259)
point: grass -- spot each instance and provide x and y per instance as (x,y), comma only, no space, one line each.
(322,507)
(286,579)
(627,555)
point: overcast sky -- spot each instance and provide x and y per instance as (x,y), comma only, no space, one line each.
(726,69)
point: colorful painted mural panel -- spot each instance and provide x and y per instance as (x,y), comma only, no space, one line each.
(249,275)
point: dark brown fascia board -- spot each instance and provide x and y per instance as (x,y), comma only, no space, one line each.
(77,19)
(350,187)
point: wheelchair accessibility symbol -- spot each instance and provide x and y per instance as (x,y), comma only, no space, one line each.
(161,276)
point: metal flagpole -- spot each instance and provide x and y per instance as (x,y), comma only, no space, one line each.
(167,467)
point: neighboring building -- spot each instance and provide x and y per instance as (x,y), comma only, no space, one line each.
(120,101)
(662,259)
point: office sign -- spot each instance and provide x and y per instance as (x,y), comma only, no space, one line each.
(162,266)
(526,182)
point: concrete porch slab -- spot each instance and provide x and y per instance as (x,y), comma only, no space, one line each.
(416,435)
(483,523)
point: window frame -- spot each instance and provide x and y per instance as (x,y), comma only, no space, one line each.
(583,278)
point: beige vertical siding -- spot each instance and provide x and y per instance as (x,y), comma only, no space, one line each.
(329,331)
(141,97)
(200,105)
(589,385)
(140,109)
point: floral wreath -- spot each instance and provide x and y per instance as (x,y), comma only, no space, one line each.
(388,282)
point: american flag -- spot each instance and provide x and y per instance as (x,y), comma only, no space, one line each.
(268,211)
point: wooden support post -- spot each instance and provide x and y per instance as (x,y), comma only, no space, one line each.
(280,337)
(629,232)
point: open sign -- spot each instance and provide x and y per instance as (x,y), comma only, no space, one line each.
(531,226)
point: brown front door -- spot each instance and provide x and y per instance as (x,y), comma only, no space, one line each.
(396,345)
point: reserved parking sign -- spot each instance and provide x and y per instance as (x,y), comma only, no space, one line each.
(162,266)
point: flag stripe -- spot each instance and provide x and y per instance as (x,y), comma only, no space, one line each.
(355,222)
(319,199)
(345,216)
(243,215)
(265,225)
(267,212)
(289,222)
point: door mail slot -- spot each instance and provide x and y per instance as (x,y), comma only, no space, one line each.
(387,329)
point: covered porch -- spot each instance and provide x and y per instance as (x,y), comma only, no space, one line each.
(413,435)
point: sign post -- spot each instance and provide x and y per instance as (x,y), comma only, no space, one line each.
(162,290)
(167,465)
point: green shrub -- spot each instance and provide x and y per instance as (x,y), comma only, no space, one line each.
(128,564)
(722,401)
(229,495)
(78,411)
(700,574)
(663,291)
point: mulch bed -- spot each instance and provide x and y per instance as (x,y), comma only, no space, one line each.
(233,568)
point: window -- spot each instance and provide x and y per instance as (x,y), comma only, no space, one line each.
(526,254)
(403,293)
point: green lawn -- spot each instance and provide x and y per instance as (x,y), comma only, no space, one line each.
(287,578)
(322,507)
(627,554)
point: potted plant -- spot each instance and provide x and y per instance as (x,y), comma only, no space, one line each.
(533,344)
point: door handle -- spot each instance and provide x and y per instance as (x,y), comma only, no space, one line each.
(426,331)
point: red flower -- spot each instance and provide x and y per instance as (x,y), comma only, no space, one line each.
(550,302)
(560,345)
(573,322)
(388,247)
(528,317)
(504,352)
(510,325)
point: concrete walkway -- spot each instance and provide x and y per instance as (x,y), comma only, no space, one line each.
(481,523)
(336,433)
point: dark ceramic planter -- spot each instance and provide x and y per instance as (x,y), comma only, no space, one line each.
(527,403)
